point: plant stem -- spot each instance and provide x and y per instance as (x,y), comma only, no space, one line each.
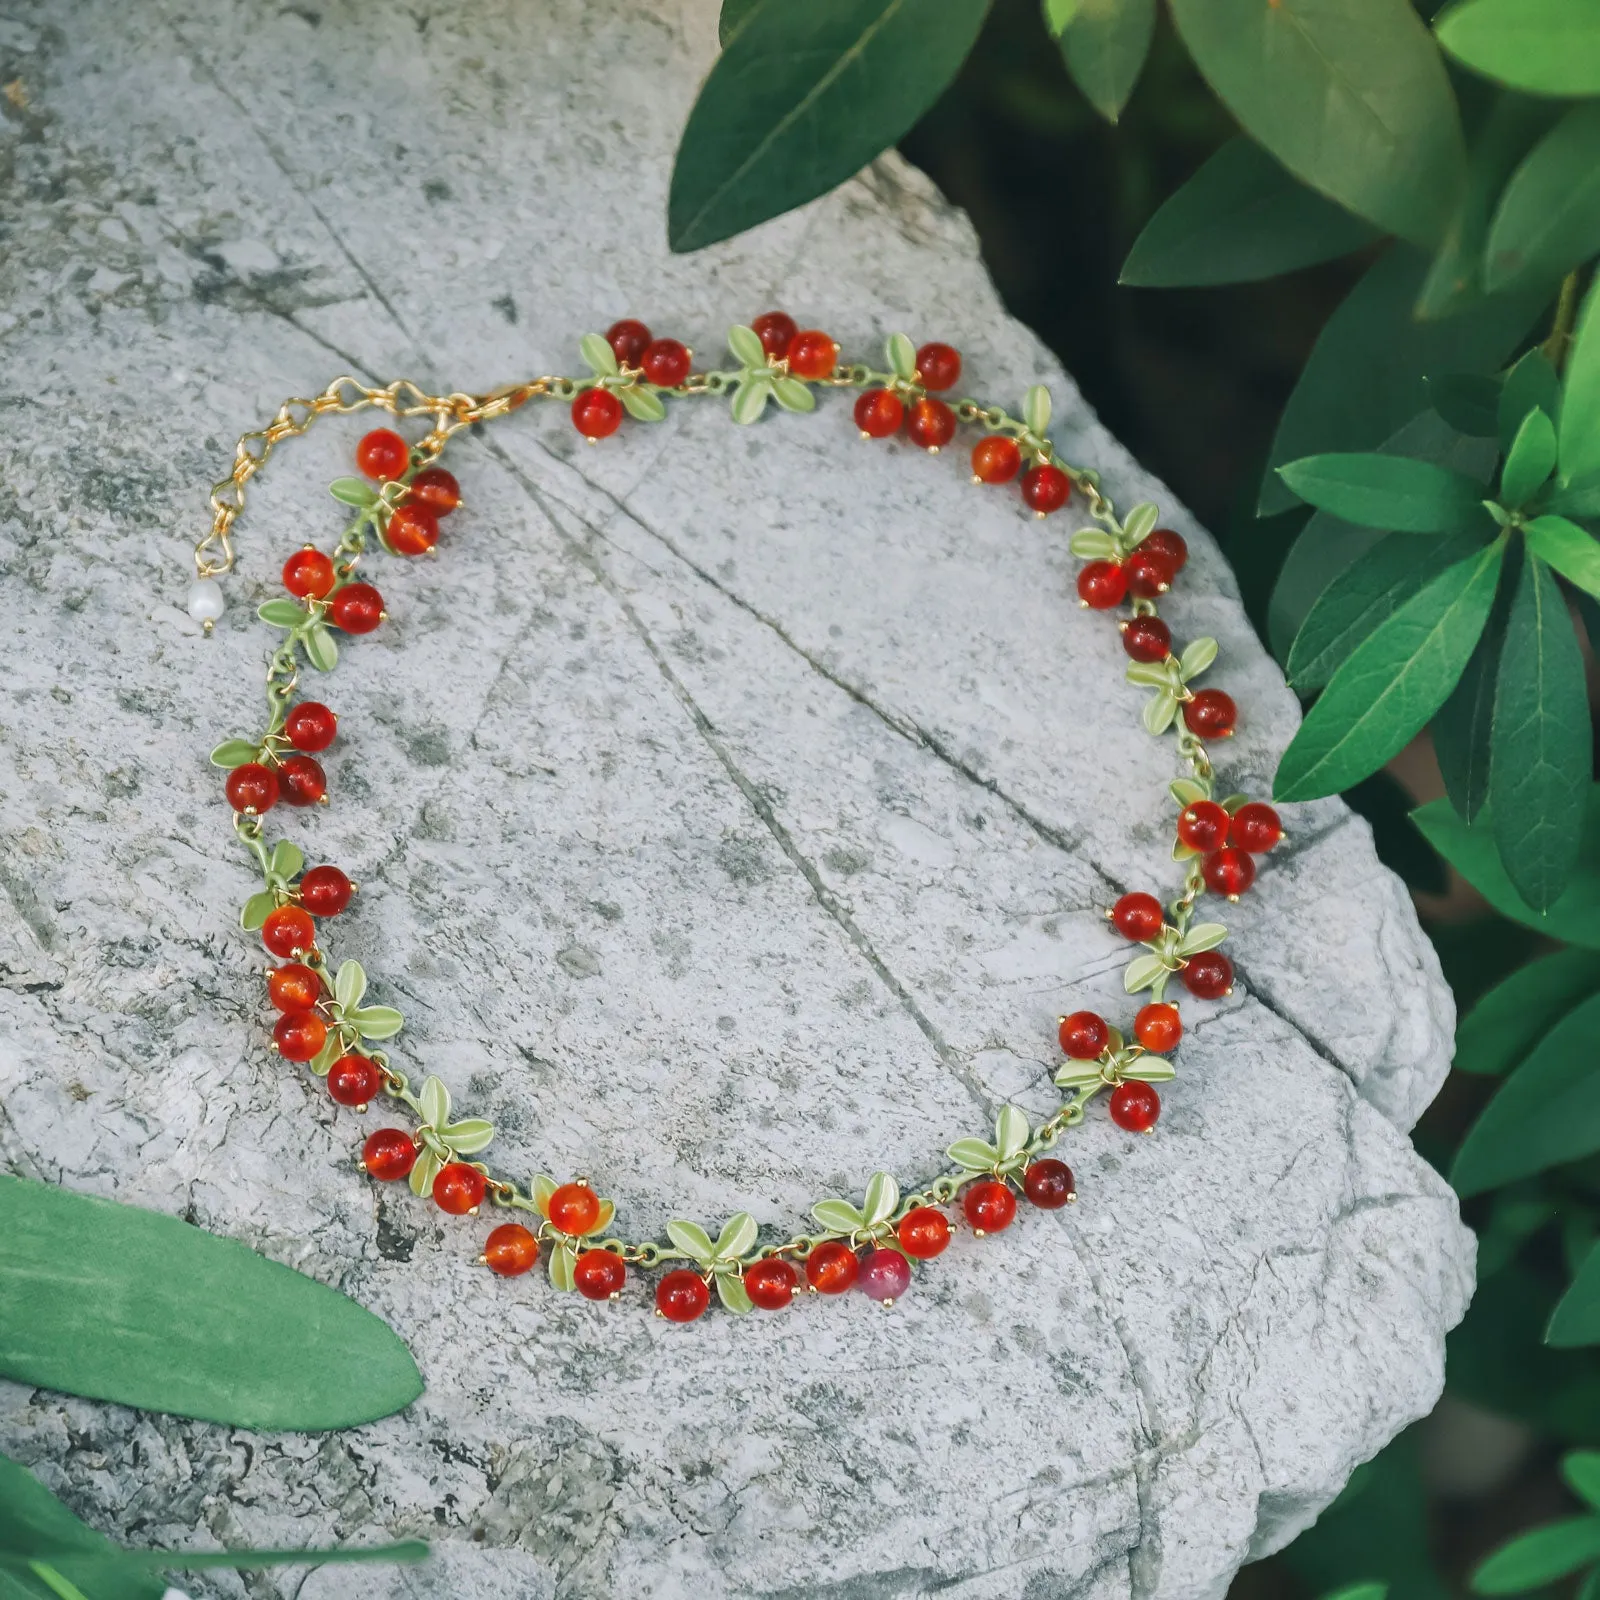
(1559,338)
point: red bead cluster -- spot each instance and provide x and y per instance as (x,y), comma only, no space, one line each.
(1229,844)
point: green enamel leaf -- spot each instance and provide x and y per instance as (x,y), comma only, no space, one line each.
(286,860)
(603,1218)
(1573,551)
(322,1062)
(353,491)
(1392,682)
(1150,1069)
(1352,98)
(234,753)
(1197,656)
(733,1295)
(282,613)
(1142,972)
(1075,1074)
(1239,219)
(1036,408)
(598,355)
(1010,1132)
(973,1154)
(468,1136)
(1541,46)
(350,984)
(1535,1559)
(1530,461)
(322,651)
(693,1240)
(1139,523)
(563,1258)
(1580,397)
(1389,492)
(804,96)
(737,1238)
(838,1216)
(101,1302)
(902,356)
(434,1099)
(747,348)
(1468,401)
(1104,45)
(750,398)
(1547,221)
(1093,544)
(1202,936)
(883,1195)
(1186,791)
(643,405)
(543,1187)
(257,909)
(793,395)
(1506,1026)
(1158,712)
(376,1022)
(424,1171)
(1149,674)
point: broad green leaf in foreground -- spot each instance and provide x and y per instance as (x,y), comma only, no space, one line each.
(1503,1028)
(1580,396)
(1531,382)
(802,98)
(127,1305)
(1542,46)
(1530,460)
(1390,492)
(1352,98)
(1548,218)
(1394,681)
(1573,551)
(1576,1318)
(1541,749)
(1104,46)
(1463,727)
(1240,218)
(1539,1557)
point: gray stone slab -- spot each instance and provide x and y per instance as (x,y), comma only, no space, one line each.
(736,810)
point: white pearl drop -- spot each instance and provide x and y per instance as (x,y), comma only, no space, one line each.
(205,600)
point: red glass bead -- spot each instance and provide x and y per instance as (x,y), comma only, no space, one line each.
(308,574)
(1158,1027)
(775,330)
(812,354)
(938,366)
(885,1275)
(879,412)
(629,340)
(1211,714)
(294,987)
(1135,1106)
(924,1232)
(930,423)
(389,1154)
(1203,826)
(1084,1035)
(288,930)
(771,1283)
(357,608)
(597,413)
(989,1205)
(325,891)
(1229,871)
(1138,917)
(574,1208)
(1149,572)
(1170,545)
(310,726)
(1102,585)
(383,454)
(1147,639)
(599,1275)
(1256,828)
(996,459)
(458,1189)
(303,781)
(832,1267)
(436,489)
(682,1295)
(1048,1183)
(510,1250)
(300,1035)
(413,529)
(252,787)
(355,1080)
(1208,976)
(1046,489)
(666,362)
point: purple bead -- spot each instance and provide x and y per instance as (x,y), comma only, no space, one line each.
(885,1275)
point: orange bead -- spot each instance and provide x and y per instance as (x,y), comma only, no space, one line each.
(300,1035)
(924,1232)
(996,459)
(437,490)
(599,1275)
(458,1188)
(1158,1028)
(574,1208)
(413,529)
(288,931)
(383,454)
(294,987)
(812,354)
(510,1250)
(832,1267)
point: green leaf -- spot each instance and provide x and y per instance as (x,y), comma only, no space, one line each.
(321,649)
(349,984)
(1390,492)
(1530,462)
(559,1268)
(793,395)
(1198,654)
(838,1216)
(287,859)
(1548,219)
(257,909)
(1158,712)
(1139,523)
(376,1022)
(234,753)
(1141,972)
(598,355)
(902,356)
(1185,791)
(332,1049)
(643,405)
(801,98)
(747,348)
(1093,544)
(1464,727)
(1507,1023)
(1365,376)
(1036,408)
(737,1237)
(1057,14)
(282,613)
(469,1136)
(1239,219)
(1467,401)
(1150,1069)
(1531,382)
(1580,499)
(434,1099)
(1104,46)
(1573,551)
(1202,936)
(1541,46)
(1580,397)
(1537,1558)
(731,17)
(883,1195)
(423,1171)
(1393,681)
(1545,1113)
(1360,1591)
(1581,1469)
(692,1239)
(733,1294)
(143,1310)
(1541,753)
(750,398)
(353,492)
(1010,1132)
(973,1154)
(1352,98)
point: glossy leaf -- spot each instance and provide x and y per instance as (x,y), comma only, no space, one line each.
(801,98)
(1542,46)
(1530,461)
(598,355)
(353,492)
(1541,753)
(1036,408)
(1383,695)
(1389,492)
(434,1098)
(692,1239)
(643,405)
(376,1022)
(234,753)
(1201,937)
(902,356)
(102,1301)
(737,1237)
(282,613)
(1505,1026)
(257,909)
(747,348)
(1351,96)
(883,1195)
(286,860)
(1573,551)
(561,1268)
(1534,1559)
(838,1216)
(321,649)
(793,395)
(1240,218)
(1104,44)
(973,1154)
(733,1294)
(1141,972)
(349,984)
(1548,219)
(750,398)
(1464,727)
(1579,433)
(1011,1131)
(469,1136)
(1531,383)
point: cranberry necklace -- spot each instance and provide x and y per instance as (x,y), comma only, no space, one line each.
(324,1016)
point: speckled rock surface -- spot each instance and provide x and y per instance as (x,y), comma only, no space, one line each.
(736,809)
